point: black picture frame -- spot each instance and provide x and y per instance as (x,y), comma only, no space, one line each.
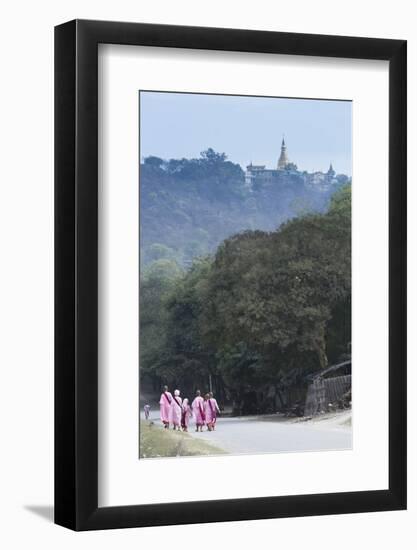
(76,272)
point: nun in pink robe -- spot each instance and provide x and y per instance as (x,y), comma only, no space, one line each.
(198,411)
(211,410)
(186,414)
(176,411)
(165,406)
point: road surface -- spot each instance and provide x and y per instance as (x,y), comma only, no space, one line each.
(237,435)
(265,435)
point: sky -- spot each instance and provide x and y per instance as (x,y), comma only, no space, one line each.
(248,129)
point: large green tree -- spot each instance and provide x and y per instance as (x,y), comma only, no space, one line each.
(276,292)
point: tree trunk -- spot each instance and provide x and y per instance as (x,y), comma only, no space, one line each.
(320,347)
(321,352)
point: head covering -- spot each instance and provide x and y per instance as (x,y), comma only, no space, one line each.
(176,393)
(185,402)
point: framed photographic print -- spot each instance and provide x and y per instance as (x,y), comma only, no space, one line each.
(230,252)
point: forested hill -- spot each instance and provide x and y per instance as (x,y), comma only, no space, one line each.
(189,206)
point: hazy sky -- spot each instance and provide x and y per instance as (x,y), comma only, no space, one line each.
(317,132)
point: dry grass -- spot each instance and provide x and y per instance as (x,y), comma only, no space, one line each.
(156,442)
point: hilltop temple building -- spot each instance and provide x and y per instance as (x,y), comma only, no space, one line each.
(285,169)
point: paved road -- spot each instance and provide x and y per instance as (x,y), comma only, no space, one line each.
(257,435)
(237,435)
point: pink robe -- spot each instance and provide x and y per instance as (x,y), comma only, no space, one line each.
(198,411)
(175,411)
(211,409)
(186,414)
(165,406)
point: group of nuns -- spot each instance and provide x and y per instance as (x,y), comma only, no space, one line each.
(177,412)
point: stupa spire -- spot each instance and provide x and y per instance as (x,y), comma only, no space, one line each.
(283,158)
(331,172)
